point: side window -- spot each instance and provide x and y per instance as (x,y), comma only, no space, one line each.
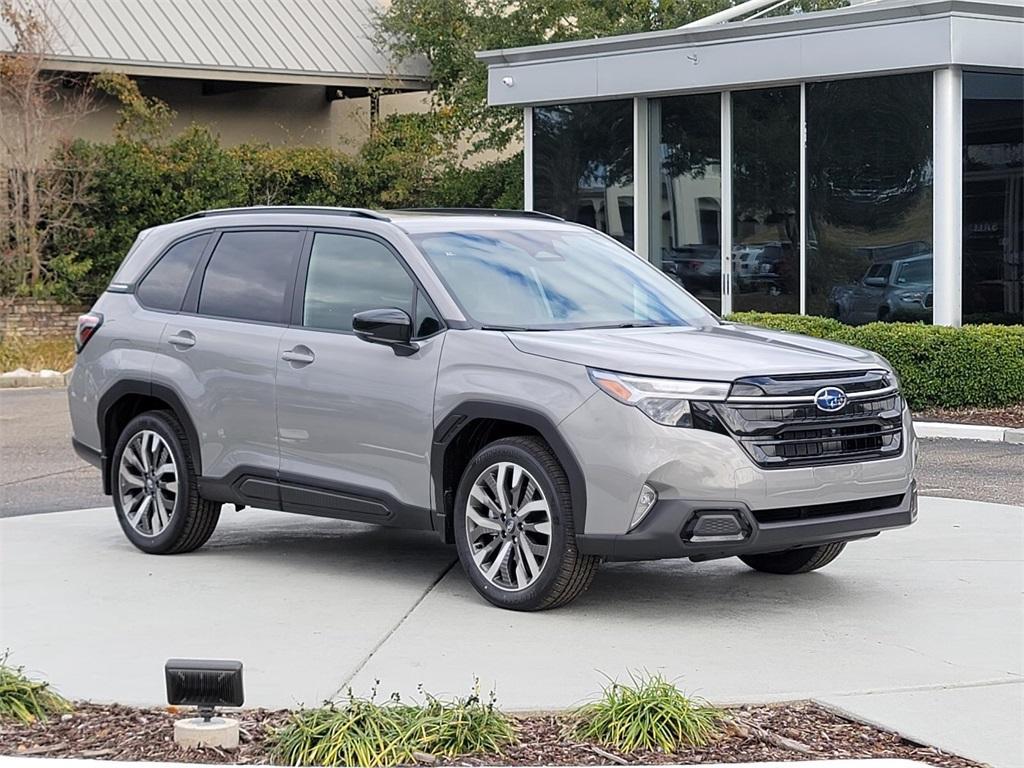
(250,276)
(164,287)
(350,274)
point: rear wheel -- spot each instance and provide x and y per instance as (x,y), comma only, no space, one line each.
(795,560)
(514,527)
(155,487)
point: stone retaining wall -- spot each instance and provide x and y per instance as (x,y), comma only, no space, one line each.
(37,318)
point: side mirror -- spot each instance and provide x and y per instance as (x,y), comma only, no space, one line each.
(875,282)
(389,326)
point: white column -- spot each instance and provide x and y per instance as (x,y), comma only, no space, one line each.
(726,236)
(803,198)
(528,158)
(947,209)
(641,178)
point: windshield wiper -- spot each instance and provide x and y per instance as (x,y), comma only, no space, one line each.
(625,325)
(508,328)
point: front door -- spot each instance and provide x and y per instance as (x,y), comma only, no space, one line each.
(354,418)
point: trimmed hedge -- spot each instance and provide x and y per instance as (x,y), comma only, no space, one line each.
(977,365)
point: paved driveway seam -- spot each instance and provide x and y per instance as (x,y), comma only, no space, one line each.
(398,625)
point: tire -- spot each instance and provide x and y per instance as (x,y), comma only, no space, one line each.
(175,519)
(540,501)
(795,560)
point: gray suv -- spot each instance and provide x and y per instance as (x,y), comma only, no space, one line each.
(527,389)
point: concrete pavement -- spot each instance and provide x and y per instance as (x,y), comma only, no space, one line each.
(919,629)
(39,472)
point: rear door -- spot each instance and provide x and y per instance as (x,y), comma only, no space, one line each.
(220,352)
(355,419)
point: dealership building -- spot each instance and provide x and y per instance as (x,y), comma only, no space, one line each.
(865,163)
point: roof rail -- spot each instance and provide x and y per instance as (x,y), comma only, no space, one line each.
(363,213)
(511,212)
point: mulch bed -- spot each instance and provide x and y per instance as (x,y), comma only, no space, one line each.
(793,731)
(1008,416)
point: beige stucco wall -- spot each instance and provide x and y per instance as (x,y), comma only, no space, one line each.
(285,114)
(296,115)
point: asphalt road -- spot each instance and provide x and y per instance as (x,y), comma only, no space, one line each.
(39,472)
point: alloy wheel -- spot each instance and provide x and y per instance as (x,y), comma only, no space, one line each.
(148,483)
(508,526)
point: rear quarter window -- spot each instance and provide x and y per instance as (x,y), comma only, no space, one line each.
(165,284)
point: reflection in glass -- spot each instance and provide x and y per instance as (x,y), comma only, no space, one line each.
(766,198)
(993,188)
(583,165)
(686,193)
(869,199)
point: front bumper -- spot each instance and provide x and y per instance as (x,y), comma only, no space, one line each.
(672,528)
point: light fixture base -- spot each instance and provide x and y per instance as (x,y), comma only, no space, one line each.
(219,732)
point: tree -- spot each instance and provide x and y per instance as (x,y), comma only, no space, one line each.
(450,32)
(38,108)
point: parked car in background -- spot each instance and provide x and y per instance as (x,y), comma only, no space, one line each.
(528,389)
(898,289)
(698,268)
(759,268)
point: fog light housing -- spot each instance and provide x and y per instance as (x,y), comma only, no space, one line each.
(644,504)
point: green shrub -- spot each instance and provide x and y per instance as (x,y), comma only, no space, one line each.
(647,713)
(364,733)
(135,184)
(977,365)
(27,700)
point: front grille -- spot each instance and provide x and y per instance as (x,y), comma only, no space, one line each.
(780,434)
(814,511)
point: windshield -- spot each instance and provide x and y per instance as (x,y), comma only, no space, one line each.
(916,271)
(555,279)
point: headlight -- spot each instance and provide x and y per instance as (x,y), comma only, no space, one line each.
(912,297)
(665,401)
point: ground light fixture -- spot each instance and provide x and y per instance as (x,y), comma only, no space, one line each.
(205,684)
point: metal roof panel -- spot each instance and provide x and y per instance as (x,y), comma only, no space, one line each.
(235,39)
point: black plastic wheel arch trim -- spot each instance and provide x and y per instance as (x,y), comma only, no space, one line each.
(147,389)
(464,414)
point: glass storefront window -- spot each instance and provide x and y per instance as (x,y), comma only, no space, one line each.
(993,189)
(686,193)
(583,165)
(766,198)
(869,199)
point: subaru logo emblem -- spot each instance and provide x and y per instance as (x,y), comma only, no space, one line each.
(830,399)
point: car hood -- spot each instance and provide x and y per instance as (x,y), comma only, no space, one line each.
(716,353)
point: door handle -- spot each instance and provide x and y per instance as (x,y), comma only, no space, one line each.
(182,340)
(298,356)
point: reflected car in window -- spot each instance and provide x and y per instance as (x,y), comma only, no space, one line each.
(900,289)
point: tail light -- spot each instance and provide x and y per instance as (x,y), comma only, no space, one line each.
(88,324)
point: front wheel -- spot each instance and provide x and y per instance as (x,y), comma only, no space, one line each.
(155,487)
(795,560)
(514,527)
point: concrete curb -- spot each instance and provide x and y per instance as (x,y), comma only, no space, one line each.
(70,762)
(35,380)
(23,382)
(969,432)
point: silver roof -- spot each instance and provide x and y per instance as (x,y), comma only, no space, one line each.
(329,42)
(883,36)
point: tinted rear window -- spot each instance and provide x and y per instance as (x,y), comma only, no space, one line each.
(250,276)
(164,287)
